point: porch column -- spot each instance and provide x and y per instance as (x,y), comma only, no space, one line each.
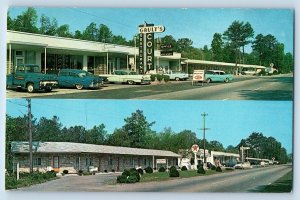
(10,61)
(127,62)
(108,70)
(153,162)
(85,63)
(45,63)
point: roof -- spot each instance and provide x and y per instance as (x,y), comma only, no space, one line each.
(206,62)
(69,147)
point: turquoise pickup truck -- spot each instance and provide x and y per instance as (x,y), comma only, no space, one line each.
(29,77)
(217,76)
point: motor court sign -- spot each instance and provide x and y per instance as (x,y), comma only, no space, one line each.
(151,29)
(198,75)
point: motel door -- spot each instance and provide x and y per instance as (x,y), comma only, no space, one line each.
(55,163)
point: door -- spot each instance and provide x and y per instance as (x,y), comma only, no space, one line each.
(56,163)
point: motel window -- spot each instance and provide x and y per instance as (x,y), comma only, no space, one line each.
(37,161)
(110,160)
(88,161)
(30,57)
(145,161)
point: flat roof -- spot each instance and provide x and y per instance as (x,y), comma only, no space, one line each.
(70,147)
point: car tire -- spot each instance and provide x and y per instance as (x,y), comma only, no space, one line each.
(177,79)
(79,86)
(48,90)
(30,87)
(208,80)
(226,80)
(130,82)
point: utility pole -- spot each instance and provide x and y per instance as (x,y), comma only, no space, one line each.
(30,134)
(204,129)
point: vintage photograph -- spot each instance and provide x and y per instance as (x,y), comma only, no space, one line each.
(150,100)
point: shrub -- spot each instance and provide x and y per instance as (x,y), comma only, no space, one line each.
(166,78)
(174,172)
(149,170)
(105,170)
(136,174)
(213,167)
(161,169)
(122,179)
(132,179)
(159,77)
(140,171)
(172,168)
(132,170)
(112,170)
(65,171)
(80,172)
(218,169)
(126,172)
(200,170)
(152,77)
(183,168)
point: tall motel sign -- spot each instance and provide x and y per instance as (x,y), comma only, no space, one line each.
(146,46)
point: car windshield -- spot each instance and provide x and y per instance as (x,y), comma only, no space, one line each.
(84,74)
(33,69)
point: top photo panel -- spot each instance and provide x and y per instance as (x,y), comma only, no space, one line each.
(150,53)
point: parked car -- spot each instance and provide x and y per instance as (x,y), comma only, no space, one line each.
(177,75)
(29,77)
(127,76)
(243,165)
(74,78)
(217,76)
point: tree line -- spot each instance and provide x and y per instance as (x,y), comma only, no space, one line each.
(136,132)
(225,47)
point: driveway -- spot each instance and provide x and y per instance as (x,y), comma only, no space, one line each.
(74,183)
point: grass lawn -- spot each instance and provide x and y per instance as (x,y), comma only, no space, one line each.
(163,176)
(283,184)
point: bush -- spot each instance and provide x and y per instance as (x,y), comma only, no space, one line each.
(80,172)
(161,169)
(105,170)
(213,167)
(140,171)
(132,179)
(137,175)
(65,171)
(126,172)
(149,170)
(174,172)
(159,77)
(200,170)
(166,78)
(152,77)
(112,170)
(184,168)
(219,169)
(173,168)
(122,178)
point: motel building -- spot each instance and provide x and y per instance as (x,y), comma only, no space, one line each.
(59,156)
(53,53)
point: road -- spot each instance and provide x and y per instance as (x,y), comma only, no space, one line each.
(250,180)
(242,88)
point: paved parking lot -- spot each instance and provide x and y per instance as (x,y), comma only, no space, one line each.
(75,183)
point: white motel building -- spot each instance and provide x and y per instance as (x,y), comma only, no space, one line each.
(53,53)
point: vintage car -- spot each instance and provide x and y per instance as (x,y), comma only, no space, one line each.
(126,76)
(29,76)
(243,165)
(217,76)
(177,75)
(73,78)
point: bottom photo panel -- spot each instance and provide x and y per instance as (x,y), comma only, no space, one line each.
(149,146)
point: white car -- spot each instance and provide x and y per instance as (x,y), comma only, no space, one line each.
(243,165)
(127,76)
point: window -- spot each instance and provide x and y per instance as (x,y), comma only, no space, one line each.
(110,160)
(88,161)
(37,161)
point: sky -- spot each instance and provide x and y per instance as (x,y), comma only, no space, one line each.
(228,121)
(198,24)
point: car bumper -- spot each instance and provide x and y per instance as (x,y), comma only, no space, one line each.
(48,84)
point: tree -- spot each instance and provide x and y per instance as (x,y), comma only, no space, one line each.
(216,146)
(118,39)
(231,149)
(10,22)
(137,127)
(169,40)
(63,31)
(119,138)
(247,34)
(96,135)
(104,34)
(26,22)
(90,33)
(47,27)
(265,47)
(207,53)
(184,44)
(216,47)
(288,63)
(78,34)
(48,130)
